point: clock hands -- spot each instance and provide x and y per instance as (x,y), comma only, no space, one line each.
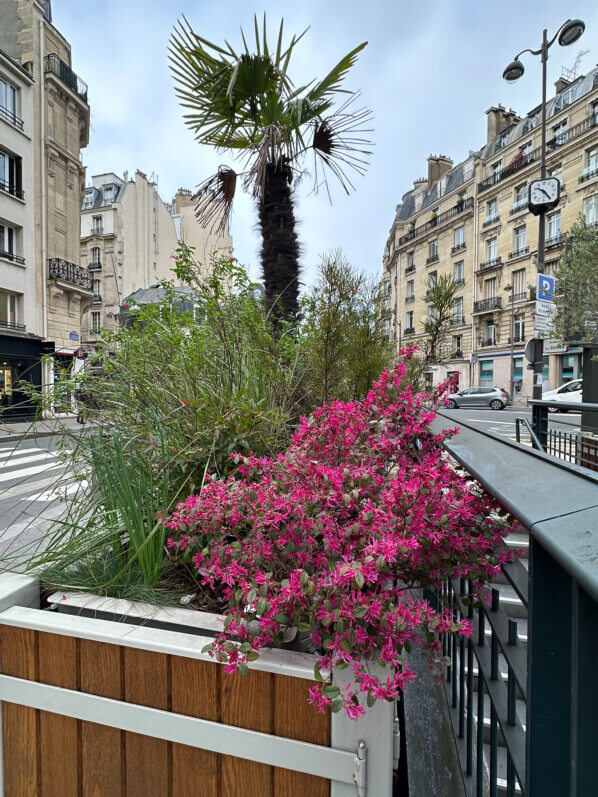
(546,194)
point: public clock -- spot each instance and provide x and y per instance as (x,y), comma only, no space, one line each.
(544,195)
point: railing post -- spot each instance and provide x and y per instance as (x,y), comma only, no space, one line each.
(540,424)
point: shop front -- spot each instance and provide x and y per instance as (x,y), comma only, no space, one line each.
(20,368)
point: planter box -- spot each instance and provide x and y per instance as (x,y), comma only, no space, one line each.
(117,706)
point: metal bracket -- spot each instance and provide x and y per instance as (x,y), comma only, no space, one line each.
(360,768)
(396,741)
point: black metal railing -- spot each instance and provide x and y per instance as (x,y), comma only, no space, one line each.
(495,262)
(410,269)
(522,160)
(458,248)
(485,342)
(459,283)
(489,220)
(579,447)
(12,325)
(95,265)
(587,174)
(69,272)
(12,188)
(409,299)
(410,330)
(520,297)
(460,207)
(457,320)
(519,252)
(431,259)
(517,207)
(11,256)
(457,355)
(509,715)
(11,117)
(556,240)
(484,305)
(54,64)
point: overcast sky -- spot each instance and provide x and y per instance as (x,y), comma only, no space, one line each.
(429,72)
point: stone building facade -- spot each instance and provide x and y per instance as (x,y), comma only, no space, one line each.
(495,237)
(59,131)
(128,239)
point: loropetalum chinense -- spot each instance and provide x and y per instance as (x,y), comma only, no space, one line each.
(332,537)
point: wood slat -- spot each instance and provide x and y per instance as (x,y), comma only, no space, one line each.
(147,760)
(295,718)
(59,736)
(195,692)
(20,741)
(102,747)
(246,702)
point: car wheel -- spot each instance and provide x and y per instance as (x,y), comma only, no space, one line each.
(452,404)
(495,404)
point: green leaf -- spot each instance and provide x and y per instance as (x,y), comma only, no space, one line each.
(331,691)
(370,700)
(359,580)
(336,706)
(243,669)
(318,674)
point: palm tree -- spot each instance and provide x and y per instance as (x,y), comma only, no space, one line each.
(246,103)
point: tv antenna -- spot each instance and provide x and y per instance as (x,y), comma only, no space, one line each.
(571,74)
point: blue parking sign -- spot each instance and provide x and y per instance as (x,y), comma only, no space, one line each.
(545,292)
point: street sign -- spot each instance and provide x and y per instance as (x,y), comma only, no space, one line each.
(73,336)
(533,350)
(545,309)
(543,324)
(545,288)
(554,346)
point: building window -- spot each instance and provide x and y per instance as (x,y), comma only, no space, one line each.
(96,286)
(526,149)
(559,133)
(496,169)
(108,193)
(594,113)
(95,322)
(486,371)
(519,283)
(520,197)
(491,249)
(591,162)
(519,329)
(409,322)
(491,211)
(517,374)
(458,311)
(458,344)
(410,289)
(410,260)
(7,239)
(460,237)
(520,238)
(490,288)
(558,173)
(553,227)
(97,226)
(490,333)
(432,279)
(9,303)
(10,174)
(88,199)
(8,102)
(433,250)
(590,209)
(459,272)
(568,367)
(94,256)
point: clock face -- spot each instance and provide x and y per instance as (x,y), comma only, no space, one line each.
(543,193)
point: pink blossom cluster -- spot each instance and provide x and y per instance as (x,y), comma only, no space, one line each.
(334,534)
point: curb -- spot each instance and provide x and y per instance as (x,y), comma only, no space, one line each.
(15,438)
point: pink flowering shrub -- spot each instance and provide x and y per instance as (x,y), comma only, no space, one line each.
(332,535)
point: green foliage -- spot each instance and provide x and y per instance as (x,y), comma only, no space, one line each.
(577,285)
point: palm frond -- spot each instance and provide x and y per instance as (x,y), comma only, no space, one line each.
(331,84)
(215,199)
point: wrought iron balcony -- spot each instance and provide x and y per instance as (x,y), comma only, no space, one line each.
(410,269)
(457,321)
(409,330)
(12,325)
(518,207)
(457,355)
(54,64)
(460,207)
(11,117)
(556,240)
(587,174)
(431,259)
(486,305)
(409,299)
(489,220)
(495,262)
(11,256)
(520,297)
(459,283)
(95,265)
(486,342)
(12,188)
(458,248)
(59,269)
(519,252)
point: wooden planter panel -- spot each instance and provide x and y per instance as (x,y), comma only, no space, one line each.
(54,755)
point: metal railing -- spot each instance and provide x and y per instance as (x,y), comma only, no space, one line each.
(521,691)
(11,117)
(484,305)
(587,174)
(485,342)
(409,269)
(458,248)
(410,330)
(95,265)
(579,447)
(69,272)
(460,207)
(489,220)
(11,256)
(409,299)
(12,325)
(431,259)
(11,188)
(495,262)
(519,252)
(97,297)
(54,64)
(457,321)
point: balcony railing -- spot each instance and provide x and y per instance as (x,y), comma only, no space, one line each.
(459,283)
(458,248)
(60,269)
(516,339)
(440,219)
(409,269)
(409,330)
(457,321)
(587,174)
(485,305)
(97,229)
(457,355)
(12,257)
(519,252)
(97,298)
(485,342)
(12,325)
(556,240)
(520,297)
(521,161)
(489,220)
(11,117)
(95,265)
(495,262)
(518,206)
(11,188)
(54,64)
(431,259)
(409,299)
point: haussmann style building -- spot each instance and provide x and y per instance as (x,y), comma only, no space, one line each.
(470,220)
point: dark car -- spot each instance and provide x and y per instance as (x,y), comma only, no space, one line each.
(494,397)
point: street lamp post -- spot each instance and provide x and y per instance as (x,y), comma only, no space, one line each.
(569,32)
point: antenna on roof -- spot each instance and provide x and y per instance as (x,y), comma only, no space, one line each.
(571,74)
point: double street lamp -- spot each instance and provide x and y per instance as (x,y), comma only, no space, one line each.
(569,32)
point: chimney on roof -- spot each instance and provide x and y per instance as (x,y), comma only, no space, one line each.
(182,199)
(561,84)
(498,120)
(437,166)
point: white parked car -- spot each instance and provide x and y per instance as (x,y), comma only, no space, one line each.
(570,391)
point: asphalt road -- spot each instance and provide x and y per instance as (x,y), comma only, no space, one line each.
(502,422)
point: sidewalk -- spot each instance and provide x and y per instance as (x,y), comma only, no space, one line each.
(25,430)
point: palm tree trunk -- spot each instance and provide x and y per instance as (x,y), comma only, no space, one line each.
(280,250)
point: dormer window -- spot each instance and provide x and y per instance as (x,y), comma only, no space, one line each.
(504,138)
(108,193)
(88,200)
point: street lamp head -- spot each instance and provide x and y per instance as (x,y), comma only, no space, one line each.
(513,71)
(571,32)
